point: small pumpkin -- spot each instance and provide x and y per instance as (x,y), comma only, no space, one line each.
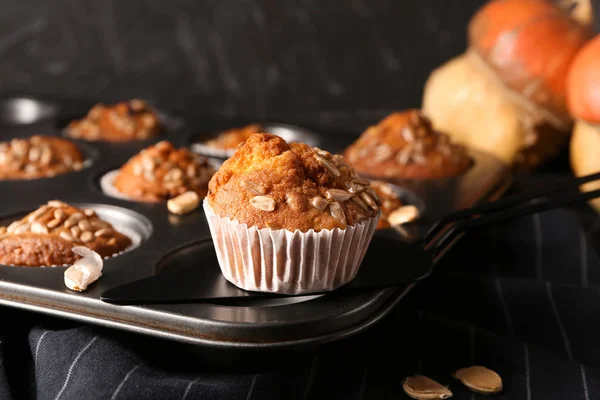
(506,94)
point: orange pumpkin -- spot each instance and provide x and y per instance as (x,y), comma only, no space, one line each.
(529,44)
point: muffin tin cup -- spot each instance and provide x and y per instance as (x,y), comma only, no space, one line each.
(285,262)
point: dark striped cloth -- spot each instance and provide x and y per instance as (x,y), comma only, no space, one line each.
(522,298)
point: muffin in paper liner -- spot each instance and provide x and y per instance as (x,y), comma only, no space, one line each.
(285,262)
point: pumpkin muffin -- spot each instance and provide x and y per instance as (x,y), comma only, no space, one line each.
(227,141)
(404,145)
(122,122)
(45,236)
(161,172)
(289,218)
(38,157)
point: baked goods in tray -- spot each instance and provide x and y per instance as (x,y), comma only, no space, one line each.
(161,172)
(289,218)
(38,157)
(225,143)
(404,145)
(122,122)
(45,236)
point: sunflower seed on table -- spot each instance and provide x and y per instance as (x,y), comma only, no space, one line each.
(319,203)
(337,212)
(338,195)
(263,203)
(183,204)
(403,215)
(423,388)
(328,166)
(480,379)
(253,187)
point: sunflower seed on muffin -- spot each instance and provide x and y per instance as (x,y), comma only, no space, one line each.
(263,203)
(337,212)
(338,195)
(319,203)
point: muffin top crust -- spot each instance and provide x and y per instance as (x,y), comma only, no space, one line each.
(45,236)
(122,122)
(161,172)
(38,156)
(269,183)
(404,145)
(231,138)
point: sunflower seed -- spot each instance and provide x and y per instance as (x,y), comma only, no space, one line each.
(149,176)
(191,170)
(89,212)
(374,195)
(31,169)
(37,213)
(264,203)
(57,204)
(112,241)
(59,214)
(369,200)
(173,175)
(419,159)
(184,203)
(137,169)
(68,160)
(46,157)
(84,225)
(328,166)
(2,230)
(253,187)
(39,228)
(19,147)
(103,232)
(362,182)
(54,223)
(148,163)
(337,212)
(354,187)
(338,195)
(405,154)
(322,153)
(382,153)
(403,215)
(423,388)
(319,203)
(408,134)
(34,154)
(75,231)
(480,379)
(22,228)
(66,236)
(87,236)
(361,203)
(11,228)
(99,224)
(73,219)
(77,165)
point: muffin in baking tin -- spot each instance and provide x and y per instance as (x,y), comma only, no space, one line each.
(289,218)
(160,172)
(39,156)
(46,236)
(404,145)
(131,120)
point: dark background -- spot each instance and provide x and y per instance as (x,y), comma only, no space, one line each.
(327,62)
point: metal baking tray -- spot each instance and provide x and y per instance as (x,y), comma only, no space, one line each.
(265,324)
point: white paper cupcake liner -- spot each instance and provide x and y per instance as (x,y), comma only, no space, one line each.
(281,261)
(107,184)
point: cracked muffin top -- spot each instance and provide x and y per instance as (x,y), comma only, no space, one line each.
(404,145)
(269,183)
(161,172)
(122,122)
(45,236)
(38,157)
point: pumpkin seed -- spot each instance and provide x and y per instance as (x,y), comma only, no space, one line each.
(423,388)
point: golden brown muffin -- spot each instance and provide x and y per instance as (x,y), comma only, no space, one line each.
(404,145)
(232,138)
(122,122)
(390,201)
(270,183)
(161,172)
(38,157)
(45,236)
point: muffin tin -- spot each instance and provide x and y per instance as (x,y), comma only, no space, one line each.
(243,323)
